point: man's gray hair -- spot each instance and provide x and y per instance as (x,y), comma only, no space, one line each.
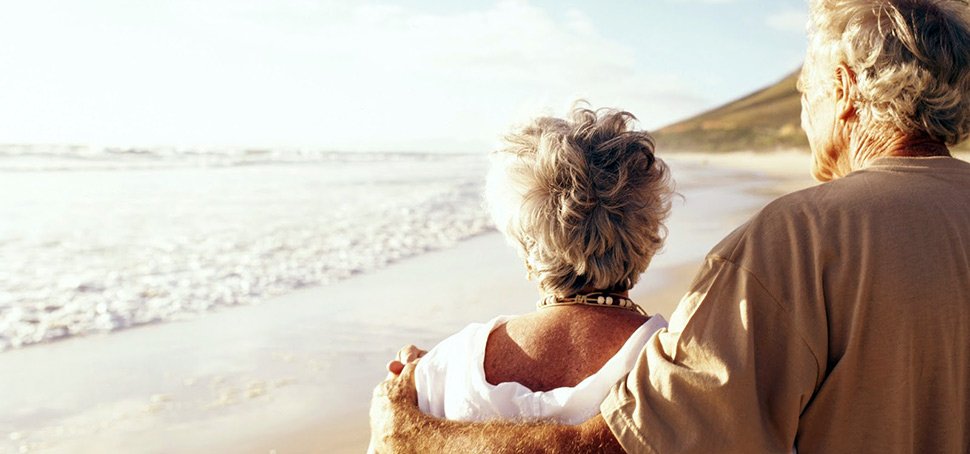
(911,60)
(582,199)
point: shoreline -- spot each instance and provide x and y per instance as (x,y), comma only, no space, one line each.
(297,370)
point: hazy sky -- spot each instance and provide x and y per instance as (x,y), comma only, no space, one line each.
(371,75)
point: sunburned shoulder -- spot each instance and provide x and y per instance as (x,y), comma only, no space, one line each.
(572,325)
(530,349)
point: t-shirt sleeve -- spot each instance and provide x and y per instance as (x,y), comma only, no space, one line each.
(729,374)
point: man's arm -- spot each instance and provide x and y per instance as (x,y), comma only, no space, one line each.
(397,425)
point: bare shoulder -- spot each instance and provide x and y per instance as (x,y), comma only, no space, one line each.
(557,347)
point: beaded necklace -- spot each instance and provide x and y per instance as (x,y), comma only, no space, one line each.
(599,299)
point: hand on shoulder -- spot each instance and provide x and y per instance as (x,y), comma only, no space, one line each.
(393,405)
(407,354)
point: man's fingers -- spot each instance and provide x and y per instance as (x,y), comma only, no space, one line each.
(398,387)
(402,387)
(395,367)
(392,397)
(407,373)
(409,353)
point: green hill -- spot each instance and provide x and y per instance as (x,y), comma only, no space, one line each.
(766,120)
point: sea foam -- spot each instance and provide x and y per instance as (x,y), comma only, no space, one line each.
(103,248)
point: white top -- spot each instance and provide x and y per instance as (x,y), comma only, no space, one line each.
(450,381)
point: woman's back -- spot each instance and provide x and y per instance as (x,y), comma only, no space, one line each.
(557,347)
(556,364)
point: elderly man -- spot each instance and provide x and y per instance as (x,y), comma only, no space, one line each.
(838,318)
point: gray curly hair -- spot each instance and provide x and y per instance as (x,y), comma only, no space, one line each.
(582,199)
(911,60)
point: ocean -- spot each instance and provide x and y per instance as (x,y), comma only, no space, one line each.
(97,240)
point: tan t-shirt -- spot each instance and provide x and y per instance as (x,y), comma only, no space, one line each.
(836,320)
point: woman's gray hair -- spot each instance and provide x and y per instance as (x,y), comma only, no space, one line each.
(911,60)
(582,199)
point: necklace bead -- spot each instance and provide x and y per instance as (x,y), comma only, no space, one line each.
(591,299)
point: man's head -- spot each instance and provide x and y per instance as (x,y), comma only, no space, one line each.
(883,70)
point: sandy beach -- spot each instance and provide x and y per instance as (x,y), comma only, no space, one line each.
(294,373)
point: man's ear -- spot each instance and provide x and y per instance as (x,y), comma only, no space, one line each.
(845,92)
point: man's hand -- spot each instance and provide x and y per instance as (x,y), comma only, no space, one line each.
(393,403)
(406,355)
(398,426)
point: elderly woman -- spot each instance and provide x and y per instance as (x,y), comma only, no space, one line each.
(838,318)
(583,201)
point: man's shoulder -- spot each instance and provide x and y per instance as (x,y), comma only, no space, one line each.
(815,202)
(791,220)
(822,196)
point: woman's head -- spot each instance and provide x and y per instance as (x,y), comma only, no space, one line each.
(903,67)
(583,199)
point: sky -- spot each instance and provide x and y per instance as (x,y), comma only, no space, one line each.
(382,75)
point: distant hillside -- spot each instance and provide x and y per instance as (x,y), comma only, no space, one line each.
(766,120)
